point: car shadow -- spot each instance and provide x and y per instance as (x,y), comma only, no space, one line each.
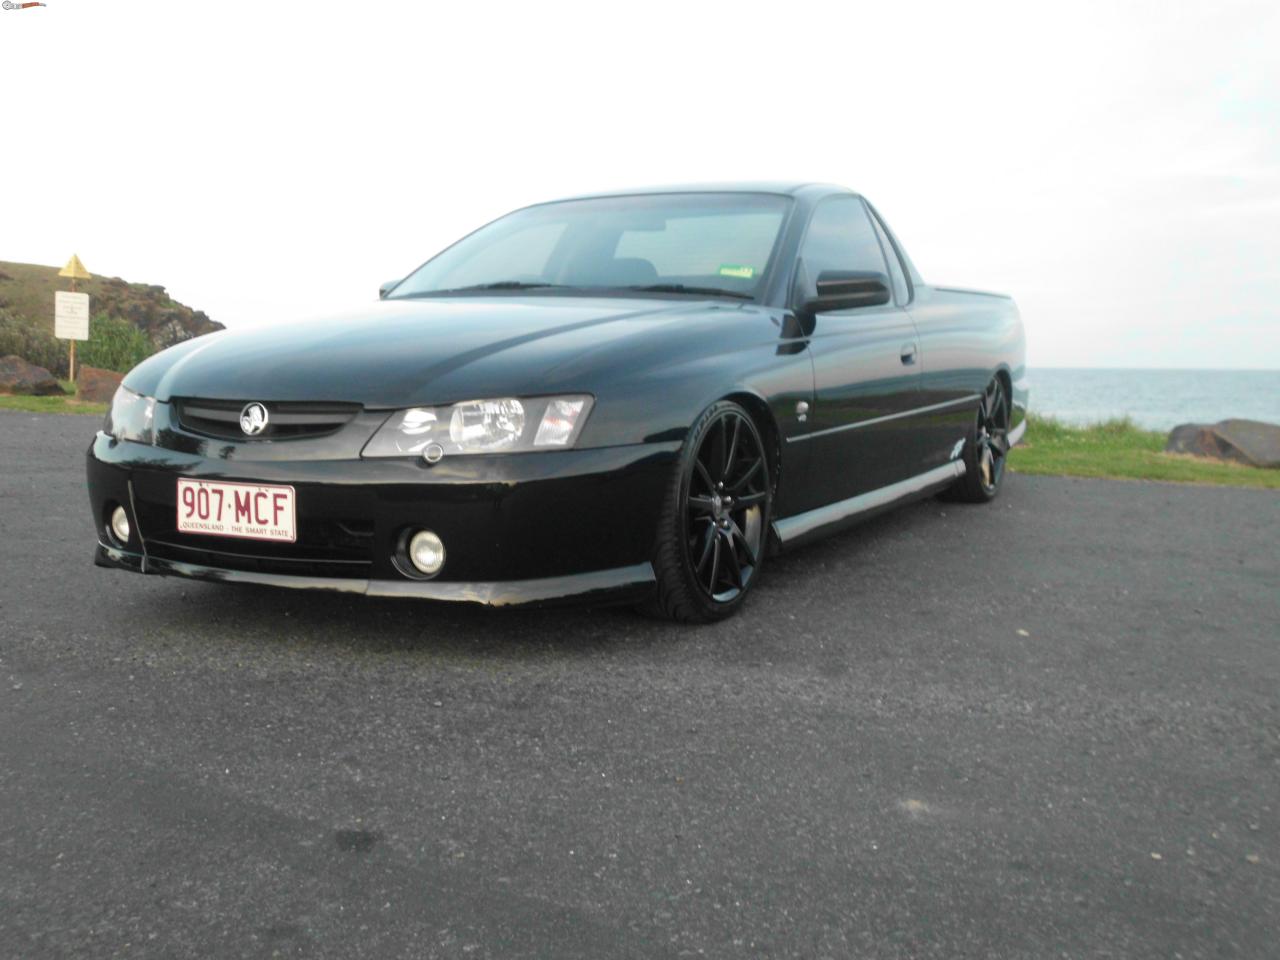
(247,613)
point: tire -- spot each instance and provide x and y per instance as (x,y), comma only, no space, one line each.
(714,525)
(986,448)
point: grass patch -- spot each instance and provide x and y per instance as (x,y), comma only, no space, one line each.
(53,404)
(1120,450)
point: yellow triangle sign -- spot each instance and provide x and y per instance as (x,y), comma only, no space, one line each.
(75,270)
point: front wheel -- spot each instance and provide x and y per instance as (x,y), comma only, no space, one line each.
(986,449)
(711,536)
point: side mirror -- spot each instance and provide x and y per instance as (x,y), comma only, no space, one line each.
(388,287)
(846,289)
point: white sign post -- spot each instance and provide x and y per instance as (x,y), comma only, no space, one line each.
(73,311)
(71,320)
(70,315)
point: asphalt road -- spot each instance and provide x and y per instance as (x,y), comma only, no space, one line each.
(1044,728)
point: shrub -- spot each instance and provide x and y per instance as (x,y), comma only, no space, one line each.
(114,344)
(32,344)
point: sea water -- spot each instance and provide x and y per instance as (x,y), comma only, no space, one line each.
(1155,399)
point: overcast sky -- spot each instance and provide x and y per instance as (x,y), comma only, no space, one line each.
(1114,166)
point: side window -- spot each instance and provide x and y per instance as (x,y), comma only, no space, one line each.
(901,292)
(840,237)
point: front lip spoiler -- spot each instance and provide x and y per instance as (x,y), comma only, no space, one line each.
(621,583)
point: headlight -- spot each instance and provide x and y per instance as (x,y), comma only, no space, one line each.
(501,425)
(486,425)
(131,417)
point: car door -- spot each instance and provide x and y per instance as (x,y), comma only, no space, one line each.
(866,379)
(950,381)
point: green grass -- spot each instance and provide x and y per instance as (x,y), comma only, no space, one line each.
(1118,449)
(54,404)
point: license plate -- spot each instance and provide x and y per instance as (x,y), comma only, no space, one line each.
(254,511)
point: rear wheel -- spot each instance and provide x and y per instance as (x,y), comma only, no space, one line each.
(711,536)
(987,448)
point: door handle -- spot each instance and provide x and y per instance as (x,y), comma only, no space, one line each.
(908,354)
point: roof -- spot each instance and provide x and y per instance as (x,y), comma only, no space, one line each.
(785,187)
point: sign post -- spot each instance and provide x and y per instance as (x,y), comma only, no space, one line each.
(71,310)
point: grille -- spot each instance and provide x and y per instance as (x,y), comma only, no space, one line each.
(285,421)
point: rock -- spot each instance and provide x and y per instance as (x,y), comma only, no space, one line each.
(1245,441)
(1196,439)
(1258,442)
(96,386)
(18,376)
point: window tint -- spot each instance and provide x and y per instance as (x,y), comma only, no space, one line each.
(840,237)
(901,292)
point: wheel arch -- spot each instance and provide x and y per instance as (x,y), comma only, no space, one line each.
(1017,393)
(762,416)
(1006,377)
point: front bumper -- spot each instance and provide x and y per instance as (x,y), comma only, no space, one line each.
(521,528)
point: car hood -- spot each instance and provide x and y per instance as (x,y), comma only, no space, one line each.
(399,353)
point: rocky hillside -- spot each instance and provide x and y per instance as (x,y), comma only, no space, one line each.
(26,296)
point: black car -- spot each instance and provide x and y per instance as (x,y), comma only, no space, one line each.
(634,396)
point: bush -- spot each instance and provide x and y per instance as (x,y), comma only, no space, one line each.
(32,344)
(114,344)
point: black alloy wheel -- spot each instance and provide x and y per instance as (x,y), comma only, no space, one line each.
(993,436)
(712,535)
(988,449)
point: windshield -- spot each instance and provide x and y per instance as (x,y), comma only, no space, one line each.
(709,244)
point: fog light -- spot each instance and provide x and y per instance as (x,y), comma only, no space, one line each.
(426,552)
(120,524)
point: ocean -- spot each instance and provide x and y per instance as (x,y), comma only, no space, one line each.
(1155,399)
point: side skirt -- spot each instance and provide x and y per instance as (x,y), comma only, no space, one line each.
(812,524)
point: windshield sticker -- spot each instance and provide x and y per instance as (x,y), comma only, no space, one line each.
(733,270)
